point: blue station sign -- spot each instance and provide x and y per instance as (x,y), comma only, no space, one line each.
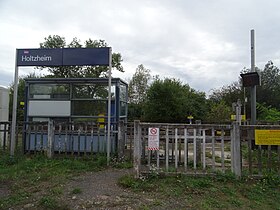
(39,57)
(63,57)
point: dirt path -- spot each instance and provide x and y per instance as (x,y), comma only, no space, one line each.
(99,190)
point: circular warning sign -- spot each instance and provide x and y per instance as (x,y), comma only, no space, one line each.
(153,131)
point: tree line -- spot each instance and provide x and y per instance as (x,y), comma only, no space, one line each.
(156,99)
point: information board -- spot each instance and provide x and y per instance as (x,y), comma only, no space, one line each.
(267,137)
(153,139)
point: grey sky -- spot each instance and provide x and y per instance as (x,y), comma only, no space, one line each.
(203,43)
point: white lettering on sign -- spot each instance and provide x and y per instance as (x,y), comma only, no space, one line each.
(153,139)
(26,58)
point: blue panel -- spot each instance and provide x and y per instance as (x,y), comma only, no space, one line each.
(70,143)
(39,57)
(86,56)
(64,57)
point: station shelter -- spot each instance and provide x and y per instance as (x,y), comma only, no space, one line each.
(69,101)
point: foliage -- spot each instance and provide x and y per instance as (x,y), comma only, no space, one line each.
(267,113)
(228,94)
(138,85)
(21,88)
(56,41)
(269,91)
(169,100)
(137,92)
(135,111)
(219,112)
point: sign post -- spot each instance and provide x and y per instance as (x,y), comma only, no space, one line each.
(109,108)
(14,114)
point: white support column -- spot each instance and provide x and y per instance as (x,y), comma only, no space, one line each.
(14,114)
(109,108)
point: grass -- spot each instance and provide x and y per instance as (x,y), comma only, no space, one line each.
(222,191)
(39,181)
(25,177)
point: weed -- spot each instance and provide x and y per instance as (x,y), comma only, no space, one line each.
(127,181)
(56,191)
(76,191)
(235,202)
(123,165)
(157,202)
(211,203)
(144,207)
(225,177)
(48,202)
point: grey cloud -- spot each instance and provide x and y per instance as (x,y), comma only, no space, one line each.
(193,40)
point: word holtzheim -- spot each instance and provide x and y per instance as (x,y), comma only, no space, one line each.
(36,58)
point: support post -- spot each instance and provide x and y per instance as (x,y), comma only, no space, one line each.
(137,148)
(50,138)
(253,88)
(236,153)
(109,108)
(14,117)
(121,142)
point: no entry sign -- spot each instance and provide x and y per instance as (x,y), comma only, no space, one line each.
(153,139)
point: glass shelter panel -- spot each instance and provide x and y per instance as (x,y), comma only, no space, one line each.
(123,108)
(123,92)
(92,91)
(89,108)
(49,91)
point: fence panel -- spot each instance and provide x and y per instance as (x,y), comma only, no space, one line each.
(184,148)
(258,160)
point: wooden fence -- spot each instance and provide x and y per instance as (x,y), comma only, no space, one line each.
(202,149)
(184,148)
(258,159)
(5,135)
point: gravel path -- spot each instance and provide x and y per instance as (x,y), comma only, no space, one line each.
(99,190)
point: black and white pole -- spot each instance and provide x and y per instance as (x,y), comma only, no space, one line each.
(253,88)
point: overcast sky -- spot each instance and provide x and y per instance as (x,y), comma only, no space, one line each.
(204,43)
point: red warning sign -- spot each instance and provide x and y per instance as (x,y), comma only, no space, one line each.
(153,139)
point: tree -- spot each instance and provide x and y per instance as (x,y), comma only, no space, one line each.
(138,85)
(267,113)
(219,112)
(228,94)
(269,90)
(21,96)
(137,92)
(56,41)
(170,101)
(268,93)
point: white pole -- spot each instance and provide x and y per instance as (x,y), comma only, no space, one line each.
(14,114)
(109,107)
(253,88)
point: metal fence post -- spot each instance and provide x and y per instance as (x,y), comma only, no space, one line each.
(121,142)
(137,148)
(236,153)
(50,138)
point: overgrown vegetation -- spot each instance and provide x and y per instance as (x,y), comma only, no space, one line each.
(25,176)
(222,191)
